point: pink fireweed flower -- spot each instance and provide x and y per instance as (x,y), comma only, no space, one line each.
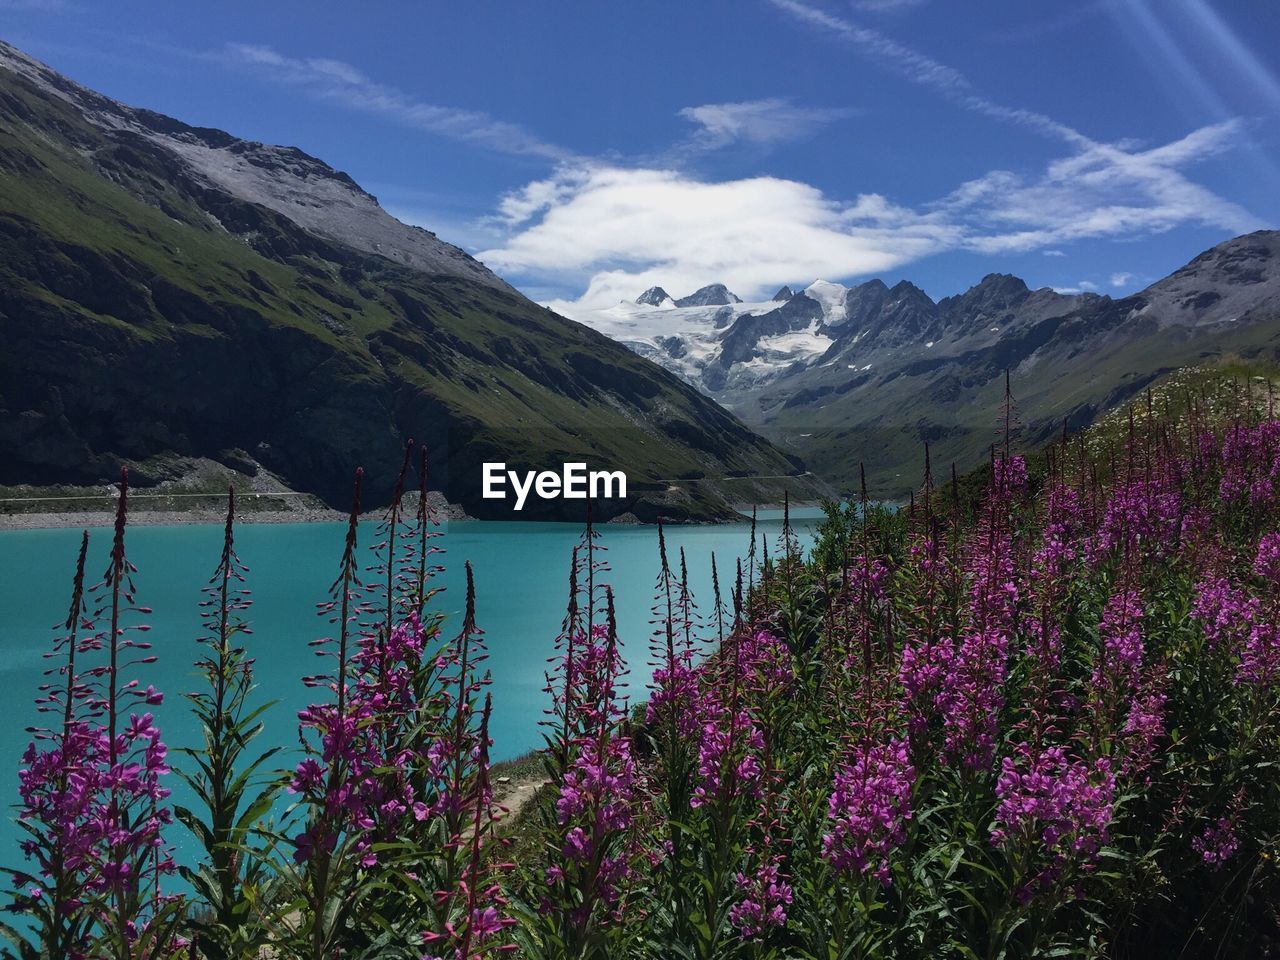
(371,794)
(600,787)
(1250,465)
(866,582)
(971,691)
(869,808)
(1218,844)
(1059,806)
(674,699)
(972,688)
(595,805)
(1224,612)
(1058,545)
(1120,661)
(59,787)
(1143,727)
(729,744)
(1219,841)
(474,935)
(765,661)
(1144,513)
(922,667)
(1260,658)
(1260,650)
(1266,562)
(1009,475)
(766,895)
(921,670)
(868,577)
(1058,549)
(108,818)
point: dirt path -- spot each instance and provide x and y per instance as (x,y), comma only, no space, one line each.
(516,792)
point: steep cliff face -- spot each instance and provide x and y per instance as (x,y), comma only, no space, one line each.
(173,291)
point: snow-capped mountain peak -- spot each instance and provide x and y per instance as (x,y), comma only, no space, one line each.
(712,295)
(656,297)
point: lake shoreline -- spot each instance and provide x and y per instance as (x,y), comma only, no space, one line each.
(247,513)
(140,516)
(158,518)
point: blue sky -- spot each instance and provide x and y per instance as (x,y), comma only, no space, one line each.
(586,150)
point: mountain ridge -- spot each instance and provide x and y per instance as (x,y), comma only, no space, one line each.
(937,374)
(260,173)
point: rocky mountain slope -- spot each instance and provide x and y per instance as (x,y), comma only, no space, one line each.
(870,373)
(171,292)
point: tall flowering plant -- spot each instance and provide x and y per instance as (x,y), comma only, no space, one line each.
(230,783)
(95,803)
(673,724)
(588,843)
(58,783)
(971,691)
(332,782)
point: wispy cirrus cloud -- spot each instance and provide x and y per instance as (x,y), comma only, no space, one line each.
(924,70)
(886,6)
(766,121)
(342,83)
(1100,191)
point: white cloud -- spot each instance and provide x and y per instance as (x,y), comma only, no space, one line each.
(771,120)
(1121,279)
(340,82)
(1053,253)
(622,230)
(615,231)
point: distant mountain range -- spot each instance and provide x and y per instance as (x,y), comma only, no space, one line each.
(842,375)
(169,292)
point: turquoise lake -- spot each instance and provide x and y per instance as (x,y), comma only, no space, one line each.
(521,573)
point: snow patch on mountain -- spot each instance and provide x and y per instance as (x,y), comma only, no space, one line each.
(802,345)
(831,296)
